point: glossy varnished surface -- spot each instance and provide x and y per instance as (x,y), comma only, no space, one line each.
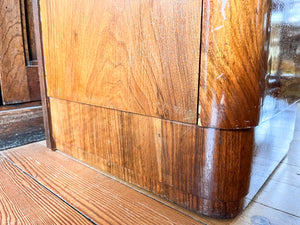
(233,62)
(141,58)
(276,203)
(205,170)
(135,56)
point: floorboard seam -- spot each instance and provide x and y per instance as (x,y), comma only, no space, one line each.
(48,189)
(139,190)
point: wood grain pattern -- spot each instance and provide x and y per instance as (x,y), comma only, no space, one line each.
(32,73)
(41,74)
(186,164)
(99,197)
(35,159)
(23,201)
(135,56)
(30,50)
(13,79)
(62,171)
(21,126)
(24,31)
(30,30)
(206,170)
(142,57)
(233,62)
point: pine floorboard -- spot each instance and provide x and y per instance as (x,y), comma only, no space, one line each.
(40,186)
(24,201)
(103,199)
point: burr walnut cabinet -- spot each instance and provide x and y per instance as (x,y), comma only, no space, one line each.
(163,94)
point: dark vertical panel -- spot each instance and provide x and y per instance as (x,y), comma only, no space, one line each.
(13,79)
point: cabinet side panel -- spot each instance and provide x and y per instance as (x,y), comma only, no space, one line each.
(135,56)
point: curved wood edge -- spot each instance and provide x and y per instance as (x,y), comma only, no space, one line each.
(45,99)
(226,168)
(205,170)
(234,49)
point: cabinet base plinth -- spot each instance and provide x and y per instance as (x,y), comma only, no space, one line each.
(182,163)
(219,210)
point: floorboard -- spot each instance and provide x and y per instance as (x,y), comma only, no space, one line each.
(100,198)
(28,198)
(24,201)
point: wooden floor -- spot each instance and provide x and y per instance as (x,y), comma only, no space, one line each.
(39,186)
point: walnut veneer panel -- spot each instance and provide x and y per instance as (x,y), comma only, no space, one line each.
(233,62)
(13,77)
(135,56)
(203,169)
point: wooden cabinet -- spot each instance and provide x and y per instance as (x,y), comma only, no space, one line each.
(162,94)
(19,81)
(135,56)
(20,123)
